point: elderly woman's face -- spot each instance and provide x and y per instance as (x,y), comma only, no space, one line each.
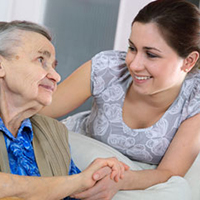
(30,75)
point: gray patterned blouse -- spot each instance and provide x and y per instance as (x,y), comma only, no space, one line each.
(110,79)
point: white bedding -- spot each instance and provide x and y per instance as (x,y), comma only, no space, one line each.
(85,150)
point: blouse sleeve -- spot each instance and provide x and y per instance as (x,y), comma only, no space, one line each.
(107,67)
(191,92)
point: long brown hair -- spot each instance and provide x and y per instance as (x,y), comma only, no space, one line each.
(177,20)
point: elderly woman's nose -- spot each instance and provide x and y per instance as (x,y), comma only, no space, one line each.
(54,75)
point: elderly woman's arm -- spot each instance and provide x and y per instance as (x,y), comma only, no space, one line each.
(38,187)
(50,188)
(176,162)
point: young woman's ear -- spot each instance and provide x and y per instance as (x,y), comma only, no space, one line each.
(190,61)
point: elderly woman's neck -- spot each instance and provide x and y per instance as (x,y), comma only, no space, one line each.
(12,123)
(13,117)
(14,109)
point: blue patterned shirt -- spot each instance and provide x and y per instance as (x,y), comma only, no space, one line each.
(20,151)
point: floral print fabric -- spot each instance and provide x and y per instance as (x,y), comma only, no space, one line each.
(110,79)
(20,151)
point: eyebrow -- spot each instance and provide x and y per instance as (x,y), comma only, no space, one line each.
(146,48)
(45,53)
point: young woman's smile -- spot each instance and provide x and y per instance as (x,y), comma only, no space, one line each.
(152,63)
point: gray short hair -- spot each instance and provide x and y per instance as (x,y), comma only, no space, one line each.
(9,35)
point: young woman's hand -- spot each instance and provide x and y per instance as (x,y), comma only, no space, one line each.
(100,168)
(103,189)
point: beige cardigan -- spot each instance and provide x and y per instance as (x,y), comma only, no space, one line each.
(50,143)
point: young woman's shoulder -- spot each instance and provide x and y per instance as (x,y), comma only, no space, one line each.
(108,68)
(108,59)
(191,93)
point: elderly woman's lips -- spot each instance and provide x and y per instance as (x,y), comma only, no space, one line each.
(48,87)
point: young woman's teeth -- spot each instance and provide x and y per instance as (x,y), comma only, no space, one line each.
(142,77)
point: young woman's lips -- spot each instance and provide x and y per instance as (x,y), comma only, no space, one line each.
(141,79)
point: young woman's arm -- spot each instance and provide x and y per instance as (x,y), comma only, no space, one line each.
(178,159)
(71,93)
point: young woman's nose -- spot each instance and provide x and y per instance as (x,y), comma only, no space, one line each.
(136,62)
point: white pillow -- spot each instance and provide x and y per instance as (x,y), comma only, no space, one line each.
(84,150)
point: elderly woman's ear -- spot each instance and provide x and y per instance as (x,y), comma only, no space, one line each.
(2,70)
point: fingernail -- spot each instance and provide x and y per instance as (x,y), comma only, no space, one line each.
(96,176)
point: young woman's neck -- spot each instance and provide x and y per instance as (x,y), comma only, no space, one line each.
(160,100)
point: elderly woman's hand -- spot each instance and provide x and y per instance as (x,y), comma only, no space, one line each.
(99,169)
(103,189)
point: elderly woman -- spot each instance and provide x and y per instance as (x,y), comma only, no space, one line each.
(33,145)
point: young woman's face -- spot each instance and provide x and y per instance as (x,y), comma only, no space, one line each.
(153,64)
(30,75)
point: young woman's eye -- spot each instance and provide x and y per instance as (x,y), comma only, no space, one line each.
(151,55)
(131,48)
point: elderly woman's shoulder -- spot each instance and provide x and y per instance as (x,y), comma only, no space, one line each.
(40,117)
(48,124)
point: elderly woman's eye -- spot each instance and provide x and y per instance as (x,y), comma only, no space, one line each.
(40,59)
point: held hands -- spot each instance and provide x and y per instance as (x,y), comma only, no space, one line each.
(117,169)
(99,169)
(103,189)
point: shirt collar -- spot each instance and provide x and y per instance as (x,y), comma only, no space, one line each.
(25,126)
